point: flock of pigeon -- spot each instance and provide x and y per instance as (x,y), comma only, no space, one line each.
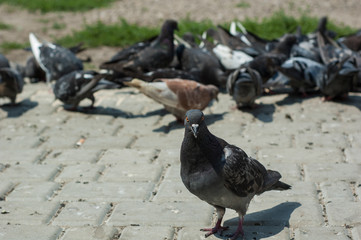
(162,67)
(185,76)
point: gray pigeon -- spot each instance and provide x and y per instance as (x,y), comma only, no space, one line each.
(54,60)
(244,85)
(78,85)
(147,56)
(4,62)
(11,84)
(221,174)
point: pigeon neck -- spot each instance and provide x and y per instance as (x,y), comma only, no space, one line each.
(211,148)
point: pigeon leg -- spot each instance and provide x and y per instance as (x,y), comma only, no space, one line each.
(92,98)
(239,230)
(218,227)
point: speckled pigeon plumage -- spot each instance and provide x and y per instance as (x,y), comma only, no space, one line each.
(72,88)
(304,74)
(146,56)
(244,85)
(221,174)
(177,95)
(11,83)
(54,60)
(4,62)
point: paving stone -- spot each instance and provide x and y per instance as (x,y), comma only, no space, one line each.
(280,213)
(161,214)
(16,232)
(27,212)
(173,191)
(301,155)
(353,155)
(132,171)
(5,187)
(72,156)
(291,172)
(314,140)
(140,232)
(340,127)
(169,155)
(355,139)
(356,233)
(106,142)
(30,172)
(357,190)
(115,156)
(33,191)
(322,172)
(250,232)
(258,140)
(81,172)
(90,233)
(147,141)
(112,192)
(82,214)
(337,191)
(12,143)
(321,233)
(14,157)
(339,214)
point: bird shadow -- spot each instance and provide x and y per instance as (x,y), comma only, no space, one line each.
(263,112)
(18,109)
(115,112)
(294,97)
(351,100)
(174,125)
(265,223)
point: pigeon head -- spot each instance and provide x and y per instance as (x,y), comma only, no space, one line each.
(168,28)
(194,119)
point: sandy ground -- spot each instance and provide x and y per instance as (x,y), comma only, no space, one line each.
(154,12)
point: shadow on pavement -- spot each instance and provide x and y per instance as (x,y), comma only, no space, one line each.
(263,112)
(265,223)
(19,109)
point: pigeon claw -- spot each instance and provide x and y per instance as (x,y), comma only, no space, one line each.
(211,231)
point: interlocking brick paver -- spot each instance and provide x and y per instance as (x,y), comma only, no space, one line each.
(122,180)
(90,233)
(137,232)
(161,214)
(82,214)
(16,232)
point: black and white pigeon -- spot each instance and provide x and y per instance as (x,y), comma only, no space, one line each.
(73,87)
(145,57)
(221,174)
(244,85)
(11,83)
(54,60)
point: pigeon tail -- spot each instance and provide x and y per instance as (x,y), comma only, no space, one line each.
(271,182)
(281,186)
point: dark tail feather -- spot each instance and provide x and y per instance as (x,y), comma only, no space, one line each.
(281,186)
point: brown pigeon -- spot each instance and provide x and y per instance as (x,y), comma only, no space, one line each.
(177,95)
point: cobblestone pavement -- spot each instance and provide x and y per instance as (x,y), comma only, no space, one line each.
(113,172)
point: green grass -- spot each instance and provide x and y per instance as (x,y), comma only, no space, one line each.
(4,26)
(243,4)
(57,5)
(123,34)
(100,34)
(8,46)
(280,23)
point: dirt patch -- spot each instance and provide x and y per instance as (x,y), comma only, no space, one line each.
(154,12)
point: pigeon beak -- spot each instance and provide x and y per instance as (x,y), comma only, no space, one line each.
(195,129)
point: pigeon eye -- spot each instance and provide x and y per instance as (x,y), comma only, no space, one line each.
(202,118)
(187,119)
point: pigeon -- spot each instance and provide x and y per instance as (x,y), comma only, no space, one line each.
(221,174)
(339,78)
(199,61)
(35,73)
(145,57)
(304,74)
(11,83)
(78,85)
(4,62)
(177,95)
(54,60)
(244,85)
(229,58)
